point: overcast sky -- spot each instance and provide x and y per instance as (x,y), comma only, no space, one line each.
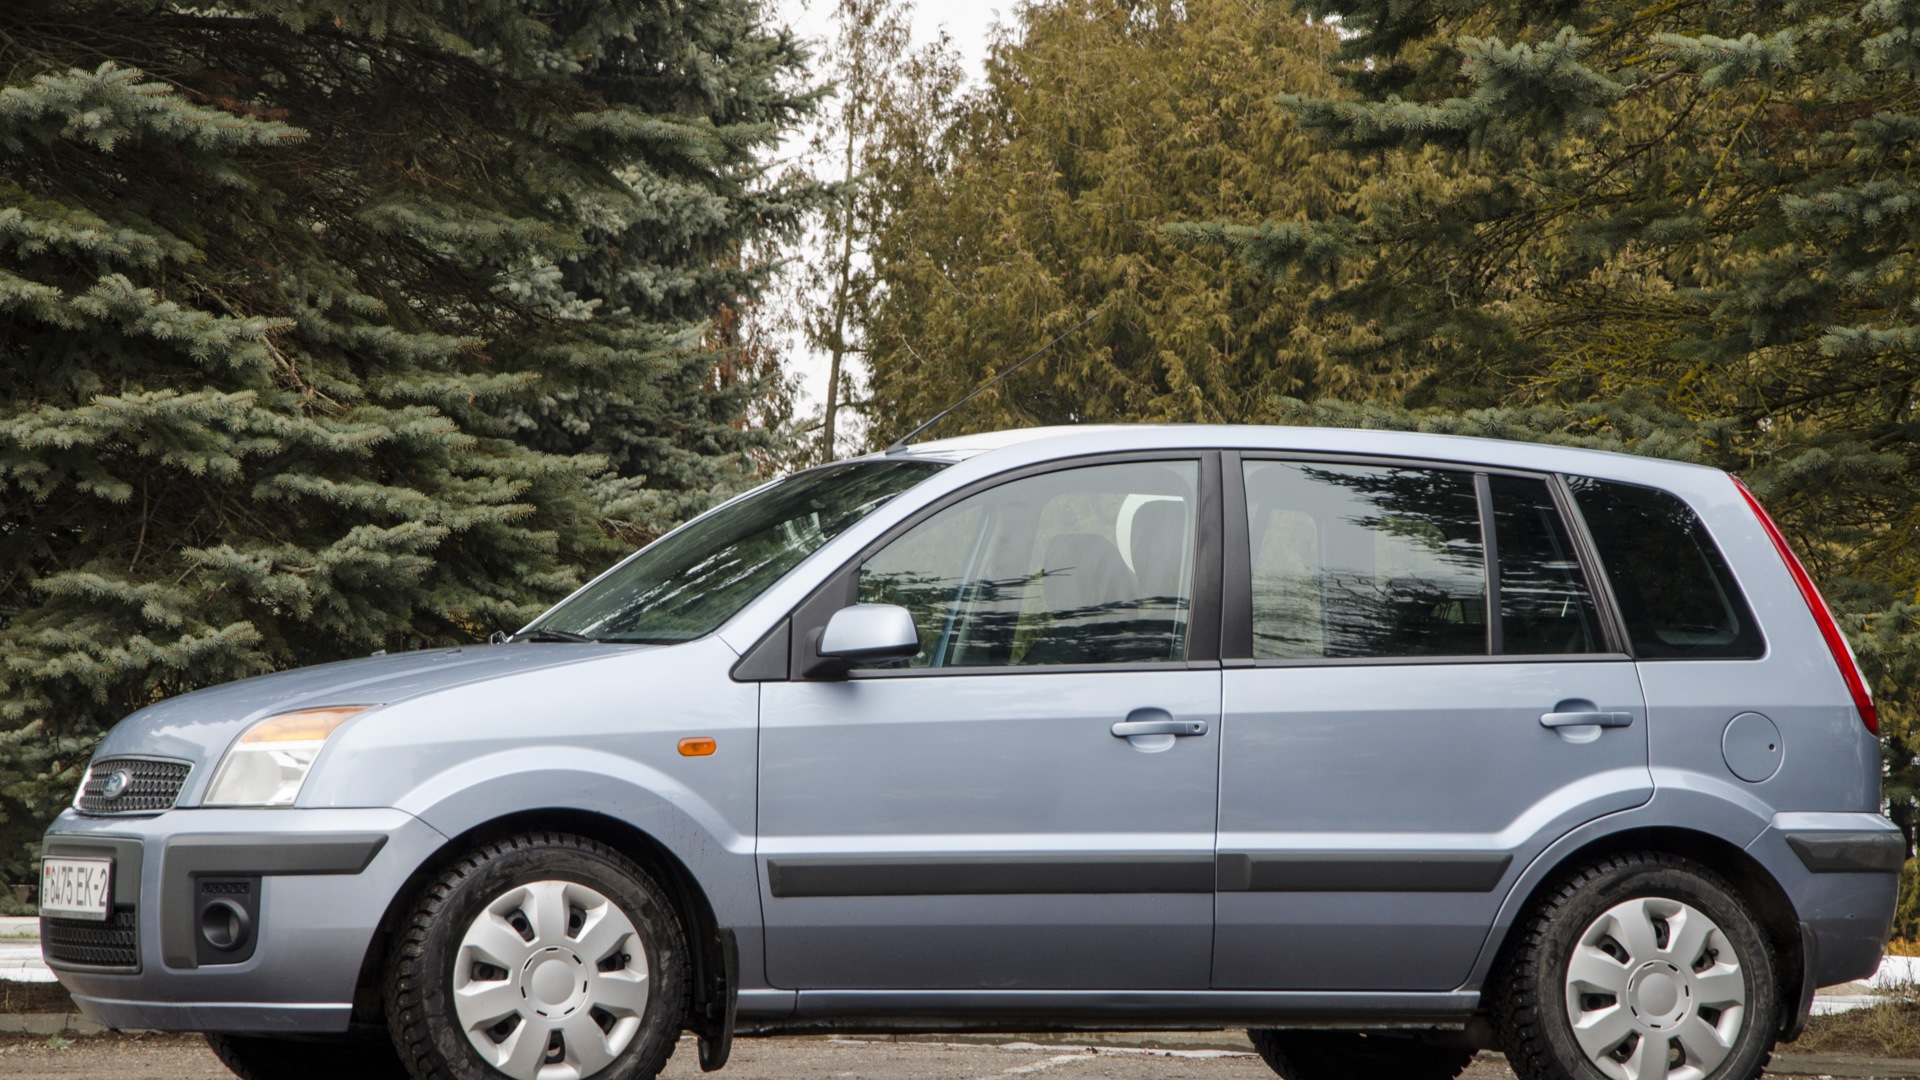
(968,22)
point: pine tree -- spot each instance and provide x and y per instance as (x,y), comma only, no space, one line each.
(1701,212)
(331,327)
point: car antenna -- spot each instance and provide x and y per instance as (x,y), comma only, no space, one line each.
(902,441)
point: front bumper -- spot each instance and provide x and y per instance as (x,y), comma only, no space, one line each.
(326,879)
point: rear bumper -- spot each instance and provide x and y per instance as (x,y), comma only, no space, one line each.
(325,881)
(1842,872)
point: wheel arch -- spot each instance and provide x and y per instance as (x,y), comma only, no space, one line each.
(1758,887)
(708,942)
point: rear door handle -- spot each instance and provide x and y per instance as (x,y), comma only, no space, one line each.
(1127,729)
(1586,718)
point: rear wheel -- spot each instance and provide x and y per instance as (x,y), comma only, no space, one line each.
(1341,1055)
(363,1055)
(1639,967)
(542,957)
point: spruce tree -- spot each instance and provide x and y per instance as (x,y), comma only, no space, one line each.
(332,327)
(1687,227)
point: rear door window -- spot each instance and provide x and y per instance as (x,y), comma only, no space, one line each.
(1356,561)
(1546,607)
(1676,594)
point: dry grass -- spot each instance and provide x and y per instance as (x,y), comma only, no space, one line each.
(26,997)
(1890,1030)
(1898,947)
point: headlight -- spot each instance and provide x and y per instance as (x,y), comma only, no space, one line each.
(270,761)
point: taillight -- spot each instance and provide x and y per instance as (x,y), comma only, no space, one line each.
(1823,615)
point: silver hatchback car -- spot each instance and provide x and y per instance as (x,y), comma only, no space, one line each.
(1384,746)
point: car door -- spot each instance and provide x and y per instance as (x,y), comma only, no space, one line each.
(1395,748)
(1029,802)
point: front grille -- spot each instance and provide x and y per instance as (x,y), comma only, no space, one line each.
(151,785)
(114,943)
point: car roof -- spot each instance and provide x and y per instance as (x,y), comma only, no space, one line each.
(1047,443)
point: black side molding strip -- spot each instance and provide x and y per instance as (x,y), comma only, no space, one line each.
(189,857)
(989,875)
(1850,852)
(1364,871)
(881,1011)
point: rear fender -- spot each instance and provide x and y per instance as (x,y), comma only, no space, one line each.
(1682,802)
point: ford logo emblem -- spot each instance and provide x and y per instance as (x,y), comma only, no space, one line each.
(116,785)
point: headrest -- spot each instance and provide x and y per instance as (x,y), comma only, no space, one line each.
(1084,570)
(1158,546)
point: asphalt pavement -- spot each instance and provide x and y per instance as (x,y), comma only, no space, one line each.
(181,1057)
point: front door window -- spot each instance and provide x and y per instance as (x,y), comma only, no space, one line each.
(1082,566)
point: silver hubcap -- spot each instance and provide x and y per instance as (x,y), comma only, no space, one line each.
(550,981)
(1655,991)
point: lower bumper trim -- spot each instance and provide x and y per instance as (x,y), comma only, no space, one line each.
(1883,852)
(188,857)
(252,1017)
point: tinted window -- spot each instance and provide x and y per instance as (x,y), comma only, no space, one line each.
(1674,589)
(1361,560)
(687,583)
(1545,605)
(1082,566)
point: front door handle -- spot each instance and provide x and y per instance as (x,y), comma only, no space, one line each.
(1586,718)
(1127,729)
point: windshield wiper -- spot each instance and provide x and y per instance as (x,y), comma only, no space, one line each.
(549,634)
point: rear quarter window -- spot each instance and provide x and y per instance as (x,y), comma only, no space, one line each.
(1676,594)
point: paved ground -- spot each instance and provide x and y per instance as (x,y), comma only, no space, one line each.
(175,1057)
(1221,1057)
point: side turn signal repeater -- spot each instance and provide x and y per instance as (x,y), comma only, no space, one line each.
(697,747)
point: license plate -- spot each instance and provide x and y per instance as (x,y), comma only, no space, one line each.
(76,888)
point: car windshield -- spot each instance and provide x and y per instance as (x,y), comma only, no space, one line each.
(687,583)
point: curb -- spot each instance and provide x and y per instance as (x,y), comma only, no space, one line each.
(1844,1065)
(48,1024)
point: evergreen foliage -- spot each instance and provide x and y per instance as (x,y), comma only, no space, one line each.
(1043,195)
(1701,212)
(1906,916)
(331,327)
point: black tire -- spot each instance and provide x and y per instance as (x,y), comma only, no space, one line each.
(1529,996)
(363,1055)
(420,977)
(1352,1055)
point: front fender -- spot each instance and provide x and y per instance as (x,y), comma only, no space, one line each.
(692,828)
(598,737)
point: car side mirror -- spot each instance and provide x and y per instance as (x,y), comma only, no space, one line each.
(863,633)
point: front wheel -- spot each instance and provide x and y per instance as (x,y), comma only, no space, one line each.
(539,957)
(1341,1055)
(1639,967)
